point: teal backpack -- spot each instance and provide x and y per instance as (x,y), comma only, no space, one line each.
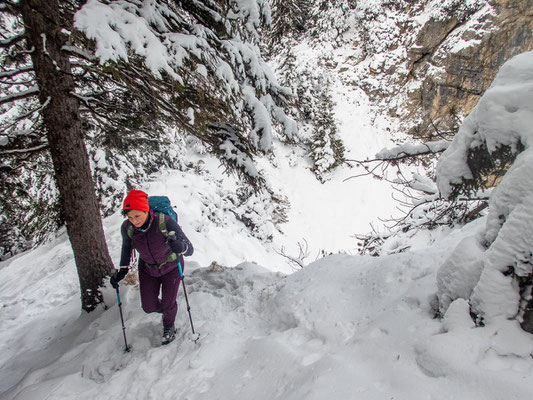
(161,204)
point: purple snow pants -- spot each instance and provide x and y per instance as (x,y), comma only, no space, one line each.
(151,284)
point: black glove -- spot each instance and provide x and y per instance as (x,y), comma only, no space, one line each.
(118,276)
(177,247)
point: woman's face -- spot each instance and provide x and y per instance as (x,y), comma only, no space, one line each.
(137,218)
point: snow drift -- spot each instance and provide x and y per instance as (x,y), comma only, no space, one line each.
(502,252)
(352,327)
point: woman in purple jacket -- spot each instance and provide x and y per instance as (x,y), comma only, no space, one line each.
(158,258)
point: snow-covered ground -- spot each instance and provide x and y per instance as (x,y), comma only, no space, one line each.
(348,327)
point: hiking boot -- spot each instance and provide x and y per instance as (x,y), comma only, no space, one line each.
(169,334)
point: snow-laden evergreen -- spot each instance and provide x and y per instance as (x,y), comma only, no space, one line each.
(154,79)
(147,30)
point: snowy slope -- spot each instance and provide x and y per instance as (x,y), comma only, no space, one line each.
(346,326)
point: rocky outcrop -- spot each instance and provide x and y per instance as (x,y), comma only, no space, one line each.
(455,62)
(423,62)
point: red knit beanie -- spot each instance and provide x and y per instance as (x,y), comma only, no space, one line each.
(136,200)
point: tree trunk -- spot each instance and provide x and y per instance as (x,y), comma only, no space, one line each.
(42,20)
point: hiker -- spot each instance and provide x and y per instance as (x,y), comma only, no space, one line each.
(159,254)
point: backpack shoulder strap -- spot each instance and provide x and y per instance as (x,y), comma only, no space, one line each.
(163,225)
(130,231)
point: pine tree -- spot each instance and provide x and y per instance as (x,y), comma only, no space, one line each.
(326,148)
(62,124)
(289,17)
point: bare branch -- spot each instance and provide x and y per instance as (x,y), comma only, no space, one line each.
(80,53)
(368,170)
(296,262)
(34,90)
(405,151)
(28,114)
(7,76)
(12,40)
(25,151)
(10,83)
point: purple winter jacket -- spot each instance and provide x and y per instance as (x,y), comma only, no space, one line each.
(152,245)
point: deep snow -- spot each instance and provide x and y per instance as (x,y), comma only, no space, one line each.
(349,327)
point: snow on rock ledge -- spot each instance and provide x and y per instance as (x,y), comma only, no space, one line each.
(503,117)
(460,273)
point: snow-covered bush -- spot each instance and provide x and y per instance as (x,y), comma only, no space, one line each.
(261,212)
(499,125)
(31,211)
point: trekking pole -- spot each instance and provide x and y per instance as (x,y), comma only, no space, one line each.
(187,301)
(127,348)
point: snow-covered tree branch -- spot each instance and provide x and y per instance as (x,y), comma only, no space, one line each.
(419,201)
(149,75)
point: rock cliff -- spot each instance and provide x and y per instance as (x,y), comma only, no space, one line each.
(453,77)
(423,62)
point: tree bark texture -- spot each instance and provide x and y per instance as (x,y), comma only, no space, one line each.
(61,117)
